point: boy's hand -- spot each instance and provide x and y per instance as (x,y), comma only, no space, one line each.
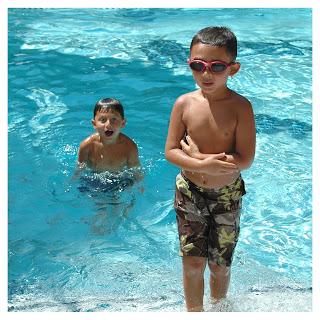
(229,158)
(216,165)
(190,148)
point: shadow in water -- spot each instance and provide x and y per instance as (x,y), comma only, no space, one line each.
(279,48)
(266,124)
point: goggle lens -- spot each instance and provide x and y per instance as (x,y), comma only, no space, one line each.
(218,67)
(197,66)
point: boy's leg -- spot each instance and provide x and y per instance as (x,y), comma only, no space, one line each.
(193,227)
(219,281)
(193,282)
(223,236)
(222,243)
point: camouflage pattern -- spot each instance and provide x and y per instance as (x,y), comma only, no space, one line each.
(208,219)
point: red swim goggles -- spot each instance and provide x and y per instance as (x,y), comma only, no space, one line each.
(214,66)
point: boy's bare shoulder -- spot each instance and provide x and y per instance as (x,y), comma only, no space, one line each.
(130,144)
(241,103)
(186,98)
(240,99)
(89,141)
(86,148)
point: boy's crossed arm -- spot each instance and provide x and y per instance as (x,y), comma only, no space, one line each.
(192,150)
(245,143)
(209,164)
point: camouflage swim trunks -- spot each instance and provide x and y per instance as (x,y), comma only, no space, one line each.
(208,219)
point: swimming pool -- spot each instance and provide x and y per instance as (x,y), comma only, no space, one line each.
(60,62)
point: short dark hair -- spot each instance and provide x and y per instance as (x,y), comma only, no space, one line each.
(217,36)
(108,104)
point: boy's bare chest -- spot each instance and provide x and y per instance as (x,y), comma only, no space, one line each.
(211,129)
(110,158)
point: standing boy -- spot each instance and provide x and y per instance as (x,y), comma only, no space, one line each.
(218,126)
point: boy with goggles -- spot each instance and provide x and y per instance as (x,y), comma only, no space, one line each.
(211,137)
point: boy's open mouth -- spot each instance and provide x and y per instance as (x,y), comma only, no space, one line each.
(109,133)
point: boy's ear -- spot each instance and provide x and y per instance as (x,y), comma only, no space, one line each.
(93,123)
(234,68)
(124,122)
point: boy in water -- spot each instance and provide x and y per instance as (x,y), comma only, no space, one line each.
(219,131)
(108,149)
(112,151)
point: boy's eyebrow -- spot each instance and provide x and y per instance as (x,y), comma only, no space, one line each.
(198,58)
(103,116)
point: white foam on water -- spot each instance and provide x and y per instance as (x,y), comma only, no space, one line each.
(50,110)
(271,301)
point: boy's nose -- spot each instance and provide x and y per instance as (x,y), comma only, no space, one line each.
(207,70)
(207,74)
(107,123)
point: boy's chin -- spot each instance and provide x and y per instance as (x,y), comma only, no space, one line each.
(208,89)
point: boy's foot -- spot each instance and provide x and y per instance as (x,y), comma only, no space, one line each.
(223,305)
(196,309)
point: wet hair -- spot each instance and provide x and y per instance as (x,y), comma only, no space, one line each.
(108,104)
(217,36)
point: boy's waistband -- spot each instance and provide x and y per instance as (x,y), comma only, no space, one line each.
(212,190)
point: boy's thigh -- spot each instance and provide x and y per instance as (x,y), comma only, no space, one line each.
(193,226)
(223,235)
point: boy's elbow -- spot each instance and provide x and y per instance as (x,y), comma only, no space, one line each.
(167,154)
(246,163)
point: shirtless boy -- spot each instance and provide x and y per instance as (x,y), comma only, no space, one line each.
(211,137)
(108,149)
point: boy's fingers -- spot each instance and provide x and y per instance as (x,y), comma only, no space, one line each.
(228,165)
(227,171)
(219,155)
(189,139)
(183,144)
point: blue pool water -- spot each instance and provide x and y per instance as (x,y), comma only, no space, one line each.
(65,252)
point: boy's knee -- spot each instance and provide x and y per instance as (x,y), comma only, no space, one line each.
(193,266)
(219,271)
